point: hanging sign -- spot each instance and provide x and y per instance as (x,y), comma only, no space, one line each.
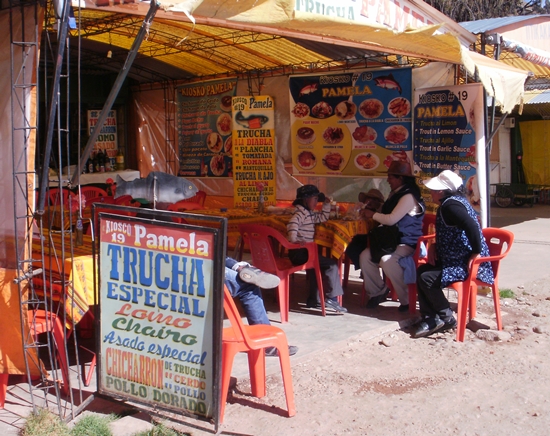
(204,128)
(350,124)
(449,135)
(254,150)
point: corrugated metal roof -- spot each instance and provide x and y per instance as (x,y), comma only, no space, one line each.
(537,97)
(508,57)
(489,24)
(514,60)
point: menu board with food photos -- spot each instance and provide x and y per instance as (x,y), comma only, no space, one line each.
(254,150)
(350,124)
(204,128)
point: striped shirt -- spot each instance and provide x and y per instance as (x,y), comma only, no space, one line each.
(301,226)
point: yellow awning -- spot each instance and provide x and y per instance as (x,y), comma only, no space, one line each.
(278,17)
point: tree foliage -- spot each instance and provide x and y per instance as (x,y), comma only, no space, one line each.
(471,10)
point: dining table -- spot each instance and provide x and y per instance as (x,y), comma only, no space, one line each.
(334,234)
(69,266)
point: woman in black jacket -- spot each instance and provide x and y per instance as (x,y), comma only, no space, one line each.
(404,208)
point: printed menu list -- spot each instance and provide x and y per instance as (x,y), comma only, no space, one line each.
(447,132)
(204,128)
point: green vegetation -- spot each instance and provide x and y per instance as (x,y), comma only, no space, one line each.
(506,293)
(45,423)
(97,425)
(161,430)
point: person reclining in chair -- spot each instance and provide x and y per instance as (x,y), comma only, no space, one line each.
(244,282)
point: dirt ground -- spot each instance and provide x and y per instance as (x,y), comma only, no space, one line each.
(396,385)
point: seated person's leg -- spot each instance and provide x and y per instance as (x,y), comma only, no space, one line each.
(394,271)
(355,248)
(373,283)
(250,297)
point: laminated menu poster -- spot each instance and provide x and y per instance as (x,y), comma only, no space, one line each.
(350,124)
(204,128)
(449,135)
(254,150)
(156,314)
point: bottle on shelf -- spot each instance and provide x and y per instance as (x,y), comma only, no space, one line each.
(120,166)
(108,167)
(96,162)
(261,204)
(89,165)
(101,159)
(79,240)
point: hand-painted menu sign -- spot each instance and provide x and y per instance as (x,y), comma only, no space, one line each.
(156,323)
(254,150)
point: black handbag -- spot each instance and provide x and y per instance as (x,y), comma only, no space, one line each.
(383,240)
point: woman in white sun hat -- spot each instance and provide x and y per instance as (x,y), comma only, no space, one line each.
(458,242)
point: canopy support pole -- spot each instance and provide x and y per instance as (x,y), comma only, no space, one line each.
(54,100)
(117,85)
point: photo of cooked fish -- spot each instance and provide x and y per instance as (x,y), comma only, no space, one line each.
(214,142)
(225,103)
(252,121)
(345,110)
(396,134)
(364,134)
(305,135)
(217,165)
(333,135)
(307,160)
(387,82)
(367,161)
(321,110)
(228,145)
(301,110)
(224,124)
(333,161)
(371,108)
(399,107)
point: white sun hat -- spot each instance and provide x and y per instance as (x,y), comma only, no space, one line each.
(446,180)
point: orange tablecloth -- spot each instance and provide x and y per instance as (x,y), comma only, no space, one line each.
(334,234)
(78,270)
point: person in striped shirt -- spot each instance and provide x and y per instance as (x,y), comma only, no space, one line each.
(301,229)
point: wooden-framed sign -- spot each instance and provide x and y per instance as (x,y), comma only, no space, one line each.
(160,311)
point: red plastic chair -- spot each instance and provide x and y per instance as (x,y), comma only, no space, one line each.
(199,198)
(428,225)
(182,206)
(253,339)
(497,240)
(54,193)
(91,192)
(264,243)
(109,200)
(100,199)
(40,322)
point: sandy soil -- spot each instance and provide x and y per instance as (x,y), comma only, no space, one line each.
(396,385)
